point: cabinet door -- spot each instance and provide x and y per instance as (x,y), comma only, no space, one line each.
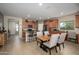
(55,23)
(77,21)
(1,40)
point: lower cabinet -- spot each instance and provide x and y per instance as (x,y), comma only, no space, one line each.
(3,38)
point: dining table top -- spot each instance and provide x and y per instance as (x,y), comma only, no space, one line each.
(44,38)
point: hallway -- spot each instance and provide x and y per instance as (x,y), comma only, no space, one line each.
(16,46)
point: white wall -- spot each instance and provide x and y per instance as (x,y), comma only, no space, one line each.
(0,24)
(6,23)
(20,27)
(6,18)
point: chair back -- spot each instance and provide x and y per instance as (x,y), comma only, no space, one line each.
(54,39)
(62,37)
(46,33)
(39,34)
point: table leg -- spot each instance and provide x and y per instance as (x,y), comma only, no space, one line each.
(44,48)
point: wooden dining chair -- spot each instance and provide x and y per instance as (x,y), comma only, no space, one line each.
(46,32)
(61,40)
(30,35)
(52,43)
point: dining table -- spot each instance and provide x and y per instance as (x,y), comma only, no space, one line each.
(43,38)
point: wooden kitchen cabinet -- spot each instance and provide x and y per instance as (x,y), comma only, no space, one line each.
(51,24)
(3,38)
(77,21)
(78,38)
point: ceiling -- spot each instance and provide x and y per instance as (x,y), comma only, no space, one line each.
(35,11)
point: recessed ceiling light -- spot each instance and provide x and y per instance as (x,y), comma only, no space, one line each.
(48,17)
(28,15)
(61,13)
(39,17)
(40,4)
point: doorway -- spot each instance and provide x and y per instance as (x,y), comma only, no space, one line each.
(13,27)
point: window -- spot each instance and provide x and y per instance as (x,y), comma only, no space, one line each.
(67,25)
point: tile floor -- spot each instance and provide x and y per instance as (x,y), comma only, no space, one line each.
(16,46)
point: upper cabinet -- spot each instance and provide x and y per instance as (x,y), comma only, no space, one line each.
(53,23)
(28,24)
(77,21)
(50,24)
